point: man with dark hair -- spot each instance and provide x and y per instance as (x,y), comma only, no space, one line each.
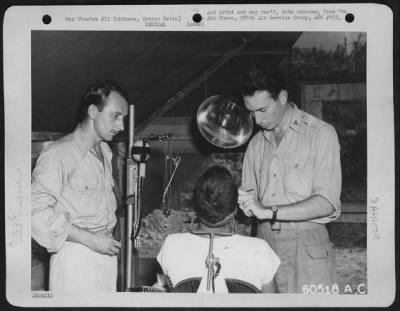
(97,94)
(73,203)
(215,196)
(291,182)
(182,255)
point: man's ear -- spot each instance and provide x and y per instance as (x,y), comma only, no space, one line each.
(283,96)
(92,111)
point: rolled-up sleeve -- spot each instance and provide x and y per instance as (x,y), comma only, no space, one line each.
(327,173)
(50,220)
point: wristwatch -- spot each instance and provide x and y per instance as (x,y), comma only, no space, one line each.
(274,210)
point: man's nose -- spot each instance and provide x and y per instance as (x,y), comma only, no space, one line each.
(120,126)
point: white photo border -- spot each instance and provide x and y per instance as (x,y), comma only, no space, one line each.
(18,24)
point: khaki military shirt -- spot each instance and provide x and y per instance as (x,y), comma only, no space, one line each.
(306,163)
(71,186)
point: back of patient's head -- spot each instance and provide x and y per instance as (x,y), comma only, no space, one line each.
(215,195)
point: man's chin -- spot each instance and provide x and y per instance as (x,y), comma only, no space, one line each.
(109,137)
(265,127)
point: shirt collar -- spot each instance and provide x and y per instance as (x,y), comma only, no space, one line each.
(295,123)
(84,146)
(298,118)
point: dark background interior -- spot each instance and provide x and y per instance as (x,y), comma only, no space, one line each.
(151,66)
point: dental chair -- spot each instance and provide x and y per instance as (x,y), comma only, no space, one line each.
(191,285)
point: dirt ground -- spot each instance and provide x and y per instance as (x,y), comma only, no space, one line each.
(351,270)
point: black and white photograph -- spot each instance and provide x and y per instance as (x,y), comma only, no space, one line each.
(186,156)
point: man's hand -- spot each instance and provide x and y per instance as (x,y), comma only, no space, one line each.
(102,242)
(251,206)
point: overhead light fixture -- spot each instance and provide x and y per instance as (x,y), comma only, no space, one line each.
(223,122)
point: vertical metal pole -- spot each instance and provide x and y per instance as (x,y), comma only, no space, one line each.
(131,185)
(131,128)
(210,261)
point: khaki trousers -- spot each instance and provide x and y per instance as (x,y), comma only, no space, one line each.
(77,268)
(307,256)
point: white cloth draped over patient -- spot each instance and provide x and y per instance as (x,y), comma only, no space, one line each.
(184,255)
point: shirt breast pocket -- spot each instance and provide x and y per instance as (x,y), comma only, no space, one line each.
(84,189)
(84,184)
(298,176)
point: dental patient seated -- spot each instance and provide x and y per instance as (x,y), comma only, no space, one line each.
(184,255)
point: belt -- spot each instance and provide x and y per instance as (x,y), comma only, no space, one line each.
(285,225)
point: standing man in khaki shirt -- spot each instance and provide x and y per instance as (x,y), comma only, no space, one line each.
(291,182)
(73,202)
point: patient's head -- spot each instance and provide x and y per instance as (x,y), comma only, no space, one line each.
(215,195)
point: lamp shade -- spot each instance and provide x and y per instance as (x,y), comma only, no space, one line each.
(223,122)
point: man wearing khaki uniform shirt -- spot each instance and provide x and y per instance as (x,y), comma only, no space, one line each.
(73,202)
(291,182)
